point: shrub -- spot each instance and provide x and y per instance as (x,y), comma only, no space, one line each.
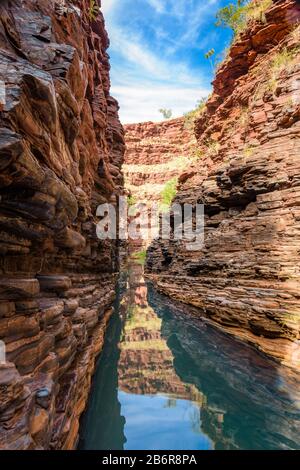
(237,15)
(249,151)
(244,117)
(212,147)
(189,118)
(131,200)
(169,192)
(221,58)
(231,16)
(197,154)
(283,60)
(140,256)
(167,113)
(94,10)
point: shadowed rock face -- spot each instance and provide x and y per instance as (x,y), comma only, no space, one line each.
(249,402)
(61,149)
(246,277)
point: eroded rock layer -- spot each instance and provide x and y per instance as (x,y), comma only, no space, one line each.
(155,154)
(246,277)
(61,149)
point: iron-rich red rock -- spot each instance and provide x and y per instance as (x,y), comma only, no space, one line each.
(156,153)
(246,277)
(61,150)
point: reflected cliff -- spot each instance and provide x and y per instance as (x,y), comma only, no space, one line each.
(166,380)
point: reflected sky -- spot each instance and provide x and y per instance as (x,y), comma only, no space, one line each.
(168,381)
(165,423)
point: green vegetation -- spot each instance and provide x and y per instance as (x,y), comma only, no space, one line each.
(237,15)
(212,147)
(282,61)
(189,118)
(209,54)
(197,154)
(167,113)
(140,257)
(131,200)
(94,10)
(168,193)
(249,151)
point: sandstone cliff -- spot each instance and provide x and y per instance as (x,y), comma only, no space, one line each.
(61,148)
(156,153)
(246,277)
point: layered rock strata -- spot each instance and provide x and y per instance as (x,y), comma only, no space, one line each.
(245,279)
(155,154)
(61,148)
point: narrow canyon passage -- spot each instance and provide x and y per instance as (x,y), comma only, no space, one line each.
(110,342)
(165,381)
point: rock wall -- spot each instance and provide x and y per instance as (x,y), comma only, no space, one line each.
(156,153)
(246,277)
(61,149)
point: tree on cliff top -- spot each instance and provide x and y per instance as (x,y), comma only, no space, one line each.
(167,113)
(237,15)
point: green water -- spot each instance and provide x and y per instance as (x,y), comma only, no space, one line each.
(166,381)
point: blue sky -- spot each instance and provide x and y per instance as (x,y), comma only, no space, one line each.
(157,54)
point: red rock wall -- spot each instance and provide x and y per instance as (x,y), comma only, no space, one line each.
(61,149)
(156,153)
(246,277)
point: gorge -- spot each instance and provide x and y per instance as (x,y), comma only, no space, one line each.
(211,335)
(246,278)
(62,148)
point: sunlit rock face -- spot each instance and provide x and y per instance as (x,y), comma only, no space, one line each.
(61,148)
(155,154)
(246,277)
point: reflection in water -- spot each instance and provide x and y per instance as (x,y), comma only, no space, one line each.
(166,381)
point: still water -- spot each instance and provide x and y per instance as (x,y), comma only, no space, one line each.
(166,381)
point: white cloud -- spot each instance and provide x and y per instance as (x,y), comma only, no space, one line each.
(107,6)
(141,102)
(148,74)
(158,5)
(135,51)
(145,82)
